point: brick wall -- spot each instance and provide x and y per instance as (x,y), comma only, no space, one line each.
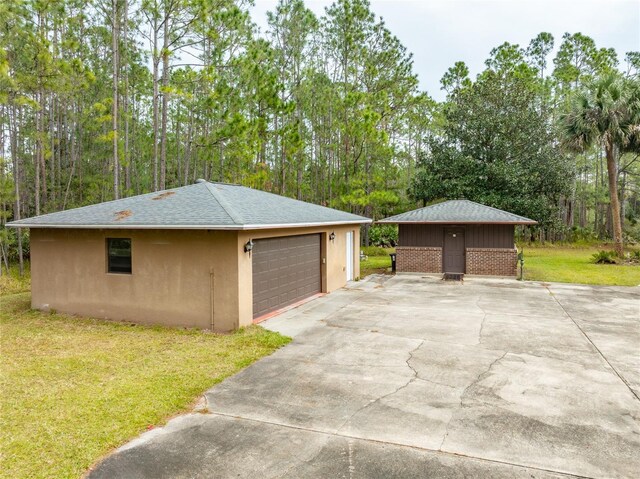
(492,261)
(418,259)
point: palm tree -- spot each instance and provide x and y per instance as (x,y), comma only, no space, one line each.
(607,115)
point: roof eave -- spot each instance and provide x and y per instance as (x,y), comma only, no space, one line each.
(186,227)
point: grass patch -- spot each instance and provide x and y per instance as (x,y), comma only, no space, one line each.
(575,265)
(13,283)
(376,251)
(378,261)
(74,388)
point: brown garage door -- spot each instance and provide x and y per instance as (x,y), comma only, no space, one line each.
(285,270)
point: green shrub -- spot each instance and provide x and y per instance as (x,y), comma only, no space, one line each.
(383,235)
(604,257)
(581,235)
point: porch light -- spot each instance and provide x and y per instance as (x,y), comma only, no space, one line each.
(332,236)
(248,246)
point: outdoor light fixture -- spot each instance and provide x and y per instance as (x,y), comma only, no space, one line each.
(248,246)
(332,236)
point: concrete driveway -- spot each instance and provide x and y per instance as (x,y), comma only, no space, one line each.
(410,376)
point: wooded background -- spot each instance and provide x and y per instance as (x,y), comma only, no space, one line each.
(102,99)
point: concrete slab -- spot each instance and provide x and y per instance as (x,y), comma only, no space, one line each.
(609,318)
(410,376)
(212,446)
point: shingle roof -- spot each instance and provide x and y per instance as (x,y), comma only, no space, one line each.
(459,212)
(202,205)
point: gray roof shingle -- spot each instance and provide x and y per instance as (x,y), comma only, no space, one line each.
(202,205)
(460,212)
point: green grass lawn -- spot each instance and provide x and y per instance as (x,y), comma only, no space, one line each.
(74,388)
(574,265)
(378,261)
(564,264)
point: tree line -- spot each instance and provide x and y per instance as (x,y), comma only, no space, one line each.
(557,144)
(103,99)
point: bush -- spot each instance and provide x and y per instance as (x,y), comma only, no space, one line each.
(384,236)
(604,257)
(581,235)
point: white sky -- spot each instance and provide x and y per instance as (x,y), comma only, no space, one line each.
(441,32)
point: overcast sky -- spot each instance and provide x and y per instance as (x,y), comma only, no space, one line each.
(441,32)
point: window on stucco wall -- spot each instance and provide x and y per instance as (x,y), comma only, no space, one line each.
(119,255)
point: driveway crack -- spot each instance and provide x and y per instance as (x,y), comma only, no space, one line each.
(436,383)
(398,389)
(482,322)
(479,378)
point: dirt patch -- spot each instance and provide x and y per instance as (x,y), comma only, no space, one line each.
(164,195)
(120,215)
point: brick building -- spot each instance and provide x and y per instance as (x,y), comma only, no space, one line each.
(457,236)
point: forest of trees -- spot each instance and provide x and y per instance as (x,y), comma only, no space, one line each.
(102,99)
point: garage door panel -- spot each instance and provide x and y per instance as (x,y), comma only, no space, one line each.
(285,270)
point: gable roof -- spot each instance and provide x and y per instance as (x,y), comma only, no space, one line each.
(202,205)
(459,212)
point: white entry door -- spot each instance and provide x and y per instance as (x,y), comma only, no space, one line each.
(349,269)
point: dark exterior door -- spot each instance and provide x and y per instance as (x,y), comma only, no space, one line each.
(453,254)
(285,270)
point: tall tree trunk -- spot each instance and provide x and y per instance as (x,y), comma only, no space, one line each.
(596,220)
(75,135)
(39,159)
(300,151)
(17,177)
(114,110)
(187,154)
(38,152)
(612,170)
(571,205)
(125,99)
(165,104)
(156,64)
(623,186)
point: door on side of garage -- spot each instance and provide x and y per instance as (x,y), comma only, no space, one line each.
(453,259)
(285,270)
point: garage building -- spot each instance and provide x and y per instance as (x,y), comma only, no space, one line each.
(457,236)
(208,255)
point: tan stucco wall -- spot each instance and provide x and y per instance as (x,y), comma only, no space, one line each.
(174,273)
(334,275)
(170,285)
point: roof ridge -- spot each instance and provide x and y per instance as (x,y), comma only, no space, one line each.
(224,203)
(499,210)
(197,206)
(461,211)
(483,206)
(433,205)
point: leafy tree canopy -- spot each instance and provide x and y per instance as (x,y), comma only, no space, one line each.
(497,148)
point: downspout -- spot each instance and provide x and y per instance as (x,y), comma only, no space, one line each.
(212,283)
